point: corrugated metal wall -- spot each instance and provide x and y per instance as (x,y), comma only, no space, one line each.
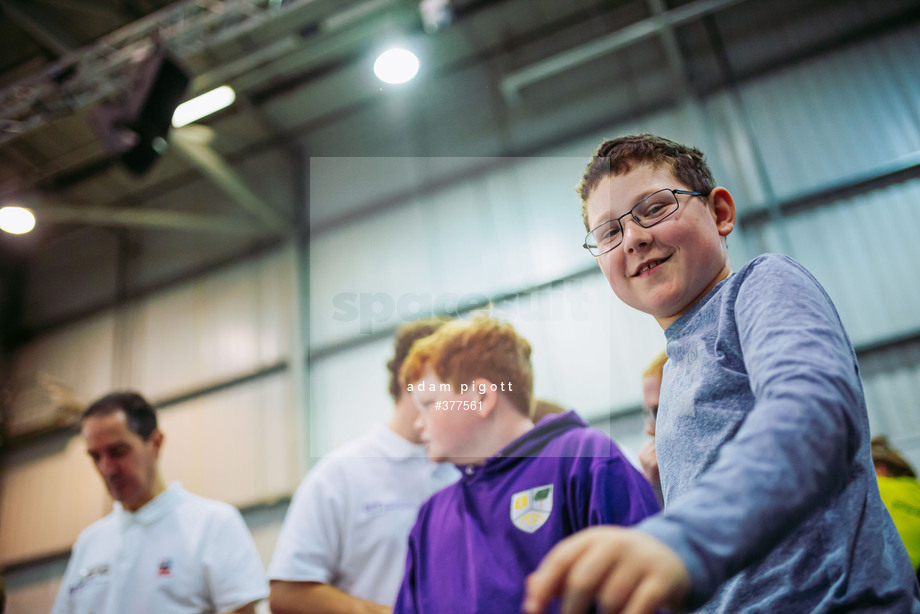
(814,153)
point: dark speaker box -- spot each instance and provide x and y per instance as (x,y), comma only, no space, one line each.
(135,124)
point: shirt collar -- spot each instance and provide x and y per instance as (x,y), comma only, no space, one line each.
(395,446)
(151,511)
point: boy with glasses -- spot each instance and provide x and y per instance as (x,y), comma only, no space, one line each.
(762,435)
(523,486)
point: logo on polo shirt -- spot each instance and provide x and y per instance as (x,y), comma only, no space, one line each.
(530,509)
(165,567)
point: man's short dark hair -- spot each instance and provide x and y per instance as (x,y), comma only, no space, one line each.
(406,335)
(140,415)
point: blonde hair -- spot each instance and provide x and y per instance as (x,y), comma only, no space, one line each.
(482,347)
(656,367)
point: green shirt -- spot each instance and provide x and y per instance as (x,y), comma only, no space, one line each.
(902,498)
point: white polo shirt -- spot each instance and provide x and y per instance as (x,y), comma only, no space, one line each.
(178,554)
(348,523)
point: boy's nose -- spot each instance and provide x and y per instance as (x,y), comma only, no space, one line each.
(634,235)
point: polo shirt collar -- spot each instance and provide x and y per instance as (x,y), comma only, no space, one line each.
(395,446)
(151,511)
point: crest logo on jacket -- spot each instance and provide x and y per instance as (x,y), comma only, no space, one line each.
(530,509)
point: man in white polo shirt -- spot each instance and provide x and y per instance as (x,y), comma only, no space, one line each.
(161,549)
(343,544)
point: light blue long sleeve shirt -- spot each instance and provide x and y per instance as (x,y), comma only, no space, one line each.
(763,449)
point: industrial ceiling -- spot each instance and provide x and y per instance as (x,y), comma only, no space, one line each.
(499,78)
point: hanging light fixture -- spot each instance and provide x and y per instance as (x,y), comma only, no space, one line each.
(202,106)
(396,66)
(16,220)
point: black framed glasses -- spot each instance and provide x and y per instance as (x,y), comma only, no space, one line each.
(649,211)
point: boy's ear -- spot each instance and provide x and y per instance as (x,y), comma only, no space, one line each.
(488,399)
(723,209)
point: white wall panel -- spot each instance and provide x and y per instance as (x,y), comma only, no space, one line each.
(32,591)
(49,491)
(548,211)
(265,524)
(730,153)
(78,358)
(825,120)
(449,247)
(359,273)
(864,251)
(892,398)
(340,186)
(589,351)
(237,445)
(348,394)
(205,331)
(589,348)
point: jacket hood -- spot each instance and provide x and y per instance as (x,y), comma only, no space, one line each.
(532,442)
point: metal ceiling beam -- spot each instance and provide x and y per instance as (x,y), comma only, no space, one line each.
(192,143)
(671,49)
(188,28)
(514,82)
(37,27)
(146,218)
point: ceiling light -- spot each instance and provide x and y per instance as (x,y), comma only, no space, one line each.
(202,106)
(16,220)
(396,66)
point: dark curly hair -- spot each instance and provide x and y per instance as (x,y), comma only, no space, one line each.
(406,335)
(617,156)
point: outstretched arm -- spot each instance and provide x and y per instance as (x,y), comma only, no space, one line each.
(794,446)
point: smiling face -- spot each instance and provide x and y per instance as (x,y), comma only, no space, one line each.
(663,270)
(126,462)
